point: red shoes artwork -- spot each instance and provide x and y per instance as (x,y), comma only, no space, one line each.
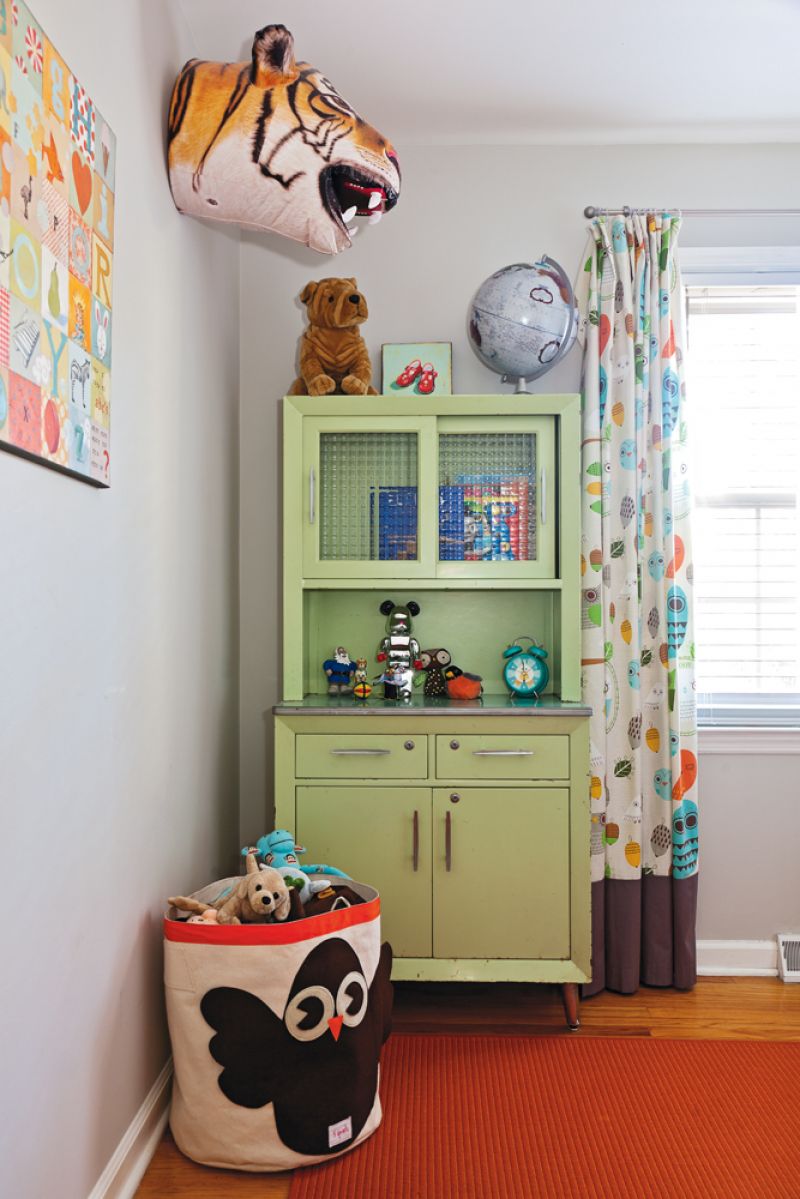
(409,374)
(415,370)
(427,379)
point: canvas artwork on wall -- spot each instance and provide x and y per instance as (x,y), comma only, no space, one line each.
(419,369)
(57,166)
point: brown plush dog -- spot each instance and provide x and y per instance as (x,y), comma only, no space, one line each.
(261,895)
(333,356)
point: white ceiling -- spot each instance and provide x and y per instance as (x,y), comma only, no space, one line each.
(540,71)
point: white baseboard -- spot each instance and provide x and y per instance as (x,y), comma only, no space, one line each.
(133,1154)
(745,958)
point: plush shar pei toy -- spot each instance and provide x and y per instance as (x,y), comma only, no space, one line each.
(333,356)
(270,144)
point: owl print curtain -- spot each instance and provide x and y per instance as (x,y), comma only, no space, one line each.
(637,639)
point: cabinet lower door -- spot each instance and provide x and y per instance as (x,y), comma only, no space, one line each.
(501,873)
(380,836)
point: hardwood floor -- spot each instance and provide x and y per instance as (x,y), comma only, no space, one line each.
(718,1008)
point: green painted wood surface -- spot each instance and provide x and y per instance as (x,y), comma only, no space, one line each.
(456,620)
(379,421)
(368,831)
(490,757)
(538,832)
(342,755)
(342,820)
(506,894)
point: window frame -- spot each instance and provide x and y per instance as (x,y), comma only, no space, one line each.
(722,721)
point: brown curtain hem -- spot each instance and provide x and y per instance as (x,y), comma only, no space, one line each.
(643,932)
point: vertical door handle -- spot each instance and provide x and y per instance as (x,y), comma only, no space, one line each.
(415,840)
(311,496)
(448,842)
(544,496)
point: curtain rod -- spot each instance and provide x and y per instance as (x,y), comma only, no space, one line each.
(590,211)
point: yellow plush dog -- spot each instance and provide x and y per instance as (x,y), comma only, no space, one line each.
(260,896)
(333,356)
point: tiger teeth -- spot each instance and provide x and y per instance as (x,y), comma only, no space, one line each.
(373,220)
(375,199)
(349,214)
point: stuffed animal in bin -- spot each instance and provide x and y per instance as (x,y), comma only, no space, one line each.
(259,897)
(278,850)
(333,354)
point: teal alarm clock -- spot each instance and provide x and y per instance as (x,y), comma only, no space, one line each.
(525,671)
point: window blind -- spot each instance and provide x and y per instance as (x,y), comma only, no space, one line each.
(743,369)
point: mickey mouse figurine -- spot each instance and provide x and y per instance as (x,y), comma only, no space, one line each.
(398,649)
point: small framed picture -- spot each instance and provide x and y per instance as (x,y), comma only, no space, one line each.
(419,369)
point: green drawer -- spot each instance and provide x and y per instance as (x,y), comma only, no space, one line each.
(359,756)
(502,757)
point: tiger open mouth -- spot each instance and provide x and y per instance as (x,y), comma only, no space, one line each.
(348,192)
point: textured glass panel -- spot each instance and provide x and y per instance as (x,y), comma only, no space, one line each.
(368,497)
(487,497)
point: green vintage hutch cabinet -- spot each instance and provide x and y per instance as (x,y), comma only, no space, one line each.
(469,505)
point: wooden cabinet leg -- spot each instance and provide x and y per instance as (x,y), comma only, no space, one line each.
(569,995)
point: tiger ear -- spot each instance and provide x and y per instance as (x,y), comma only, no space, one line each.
(308,292)
(273,57)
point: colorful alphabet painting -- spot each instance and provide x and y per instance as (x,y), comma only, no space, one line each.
(57,167)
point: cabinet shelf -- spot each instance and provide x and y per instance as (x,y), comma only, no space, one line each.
(450,584)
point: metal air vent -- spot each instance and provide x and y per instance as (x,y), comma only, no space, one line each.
(789,957)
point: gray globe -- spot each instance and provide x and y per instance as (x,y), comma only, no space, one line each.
(524,320)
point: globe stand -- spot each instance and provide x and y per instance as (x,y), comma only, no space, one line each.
(520,389)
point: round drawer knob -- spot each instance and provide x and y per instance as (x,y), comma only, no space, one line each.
(408,745)
(455,745)
(455,797)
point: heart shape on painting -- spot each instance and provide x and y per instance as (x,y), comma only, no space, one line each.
(82,175)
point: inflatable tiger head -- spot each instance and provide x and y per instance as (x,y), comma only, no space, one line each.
(270,144)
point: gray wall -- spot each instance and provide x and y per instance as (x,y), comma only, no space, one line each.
(118,652)
(464,212)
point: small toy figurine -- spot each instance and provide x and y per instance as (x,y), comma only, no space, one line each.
(340,671)
(433,662)
(361,688)
(398,649)
(397,682)
(445,679)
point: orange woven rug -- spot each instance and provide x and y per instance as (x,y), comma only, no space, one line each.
(529,1118)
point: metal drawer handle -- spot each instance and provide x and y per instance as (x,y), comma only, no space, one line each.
(311,496)
(360,753)
(503,753)
(448,842)
(415,841)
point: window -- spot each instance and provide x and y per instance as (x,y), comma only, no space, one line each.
(743,371)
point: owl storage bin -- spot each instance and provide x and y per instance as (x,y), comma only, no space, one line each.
(276,1034)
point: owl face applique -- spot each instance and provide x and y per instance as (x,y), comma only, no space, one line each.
(318,1063)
